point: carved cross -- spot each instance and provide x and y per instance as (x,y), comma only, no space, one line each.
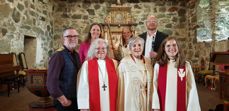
(104,87)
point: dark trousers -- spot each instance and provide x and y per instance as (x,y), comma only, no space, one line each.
(72,107)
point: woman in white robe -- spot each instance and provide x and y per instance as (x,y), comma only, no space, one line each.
(174,87)
(122,50)
(135,76)
(97,80)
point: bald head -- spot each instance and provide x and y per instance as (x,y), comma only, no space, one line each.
(151,18)
(151,23)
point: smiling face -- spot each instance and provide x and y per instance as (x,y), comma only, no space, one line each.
(70,38)
(151,23)
(171,49)
(136,49)
(95,32)
(126,33)
(101,50)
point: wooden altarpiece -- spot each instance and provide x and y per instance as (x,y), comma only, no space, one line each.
(119,16)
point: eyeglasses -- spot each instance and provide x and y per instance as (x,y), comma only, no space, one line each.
(72,36)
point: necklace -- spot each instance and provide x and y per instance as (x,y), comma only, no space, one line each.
(104,86)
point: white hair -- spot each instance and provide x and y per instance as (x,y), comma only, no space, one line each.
(132,40)
(93,47)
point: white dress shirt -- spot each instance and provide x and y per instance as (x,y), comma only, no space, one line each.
(148,47)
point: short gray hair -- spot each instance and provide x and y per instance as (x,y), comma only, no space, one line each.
(132,40)
(92,50)
(68,28)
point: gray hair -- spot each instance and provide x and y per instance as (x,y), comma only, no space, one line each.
(132,40)
(93,47)
(68,28)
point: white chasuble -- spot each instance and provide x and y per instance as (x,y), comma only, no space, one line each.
(135,79)
(83,87)
(171,89)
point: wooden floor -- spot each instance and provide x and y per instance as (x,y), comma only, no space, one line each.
(19,101)
(208,98)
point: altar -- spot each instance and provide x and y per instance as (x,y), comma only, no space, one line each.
(119,16)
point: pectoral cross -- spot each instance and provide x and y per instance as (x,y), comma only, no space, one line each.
(104,87)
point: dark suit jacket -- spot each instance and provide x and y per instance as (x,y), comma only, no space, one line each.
(160,36)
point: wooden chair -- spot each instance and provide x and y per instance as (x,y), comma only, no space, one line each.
(201,71)
(23,64)
(196,69)
(210,76)
(211,81)
(16,79)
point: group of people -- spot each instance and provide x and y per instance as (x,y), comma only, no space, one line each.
(92,81)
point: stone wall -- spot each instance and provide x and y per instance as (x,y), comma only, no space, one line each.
(26,17)
(203,15)
(191,53)
(196,51)
(171,16)
(45,20)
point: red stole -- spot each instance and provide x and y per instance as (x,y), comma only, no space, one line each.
(93,78)
(181,89)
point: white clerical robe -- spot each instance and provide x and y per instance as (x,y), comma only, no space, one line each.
(135,82)
(171,89)
(83,87)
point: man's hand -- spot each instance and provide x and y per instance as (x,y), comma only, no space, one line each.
(64,101)
(153,54)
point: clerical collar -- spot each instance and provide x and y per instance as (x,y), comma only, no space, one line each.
(100,59)
(172,60)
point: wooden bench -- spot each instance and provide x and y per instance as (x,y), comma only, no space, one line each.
(9,71)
